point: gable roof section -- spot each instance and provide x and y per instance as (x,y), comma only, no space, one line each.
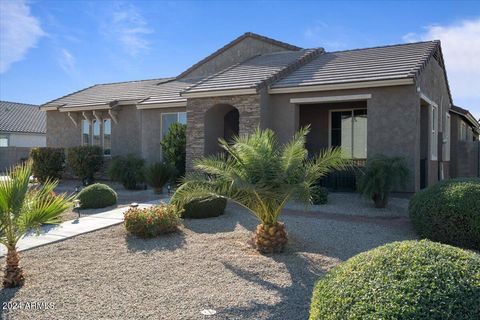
(253,73)
(106,95)
(280,44)
(466,115)
(395,62)
(21,117)
(167,94)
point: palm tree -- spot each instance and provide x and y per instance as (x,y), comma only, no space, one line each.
(22,208)
(261,175)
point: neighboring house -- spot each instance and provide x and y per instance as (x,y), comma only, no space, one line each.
(465,146)
(392,100)
(22,126)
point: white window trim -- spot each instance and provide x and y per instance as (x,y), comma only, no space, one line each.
(89,132)
(447,138)
(7,136)
(103,136)
(330,123)
(102,133)
(433,132)
(168,113)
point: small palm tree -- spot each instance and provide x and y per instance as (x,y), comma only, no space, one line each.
(261,175)
(22,208)
(380,176)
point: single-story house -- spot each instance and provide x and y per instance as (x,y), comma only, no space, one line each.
(465,131)
(393,100)
(22,126)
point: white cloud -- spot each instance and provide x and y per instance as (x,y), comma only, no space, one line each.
(461,50)
(67,61)
(20,31)
(129,28)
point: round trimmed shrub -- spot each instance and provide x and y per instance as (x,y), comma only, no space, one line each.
(207,207)
(402,280)
(449,212)
(97,195)
(152,221)
(319,195)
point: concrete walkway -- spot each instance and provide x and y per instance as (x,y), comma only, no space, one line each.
(71,228)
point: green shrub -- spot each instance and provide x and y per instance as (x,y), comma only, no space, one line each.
(158,174)
(205,207)
(174,148)
(319,195)
(128,170)
(380,176)
(97,195)
(449,212)
(85,161)
(48,163)
(152,221)
(402,280)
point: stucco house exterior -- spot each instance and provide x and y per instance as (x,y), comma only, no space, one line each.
(393,100)
(22,126)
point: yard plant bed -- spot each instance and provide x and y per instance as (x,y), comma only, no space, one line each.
(206,265)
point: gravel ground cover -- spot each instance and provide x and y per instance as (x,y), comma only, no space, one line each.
(207,265)
(353,204)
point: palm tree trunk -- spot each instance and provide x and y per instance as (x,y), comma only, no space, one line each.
(13,276)
(270,238)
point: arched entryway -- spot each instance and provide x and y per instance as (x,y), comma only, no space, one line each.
(221,121)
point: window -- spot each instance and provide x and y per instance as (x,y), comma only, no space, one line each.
(434,134)
(463,131)
(169,118)
(96,133)
(85,132)
(3,140)
(348,131)
(107,133)
(446,138)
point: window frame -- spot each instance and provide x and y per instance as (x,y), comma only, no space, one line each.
(330,111)
(170,113)
(447,139)
(7,137)
(103,136)
(433,132)
(89,133)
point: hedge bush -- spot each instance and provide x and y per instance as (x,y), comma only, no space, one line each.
(158,174)
(85,161)
(97,195)
(402,280)
(206,207)
(48,163)
(449,212)
(152,221)
(174,148)
(128,170)
(319,195)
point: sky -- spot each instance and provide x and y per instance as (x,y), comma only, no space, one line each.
(52,48)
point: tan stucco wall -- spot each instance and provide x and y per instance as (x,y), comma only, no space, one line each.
(393,119)
(61,132)
(243,50)
(432,83)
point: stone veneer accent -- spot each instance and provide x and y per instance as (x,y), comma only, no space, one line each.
(249,119)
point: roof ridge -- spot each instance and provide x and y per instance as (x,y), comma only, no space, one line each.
(384,46)
(131,81)
(308,56)
(218,73)
(233,43)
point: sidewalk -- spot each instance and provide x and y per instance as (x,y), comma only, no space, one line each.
(71,228)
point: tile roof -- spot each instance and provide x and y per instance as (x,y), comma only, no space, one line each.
(281,44)
(379,63)
(466,115)
(107,93)
(21,117)
(169,91)
(254,71)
